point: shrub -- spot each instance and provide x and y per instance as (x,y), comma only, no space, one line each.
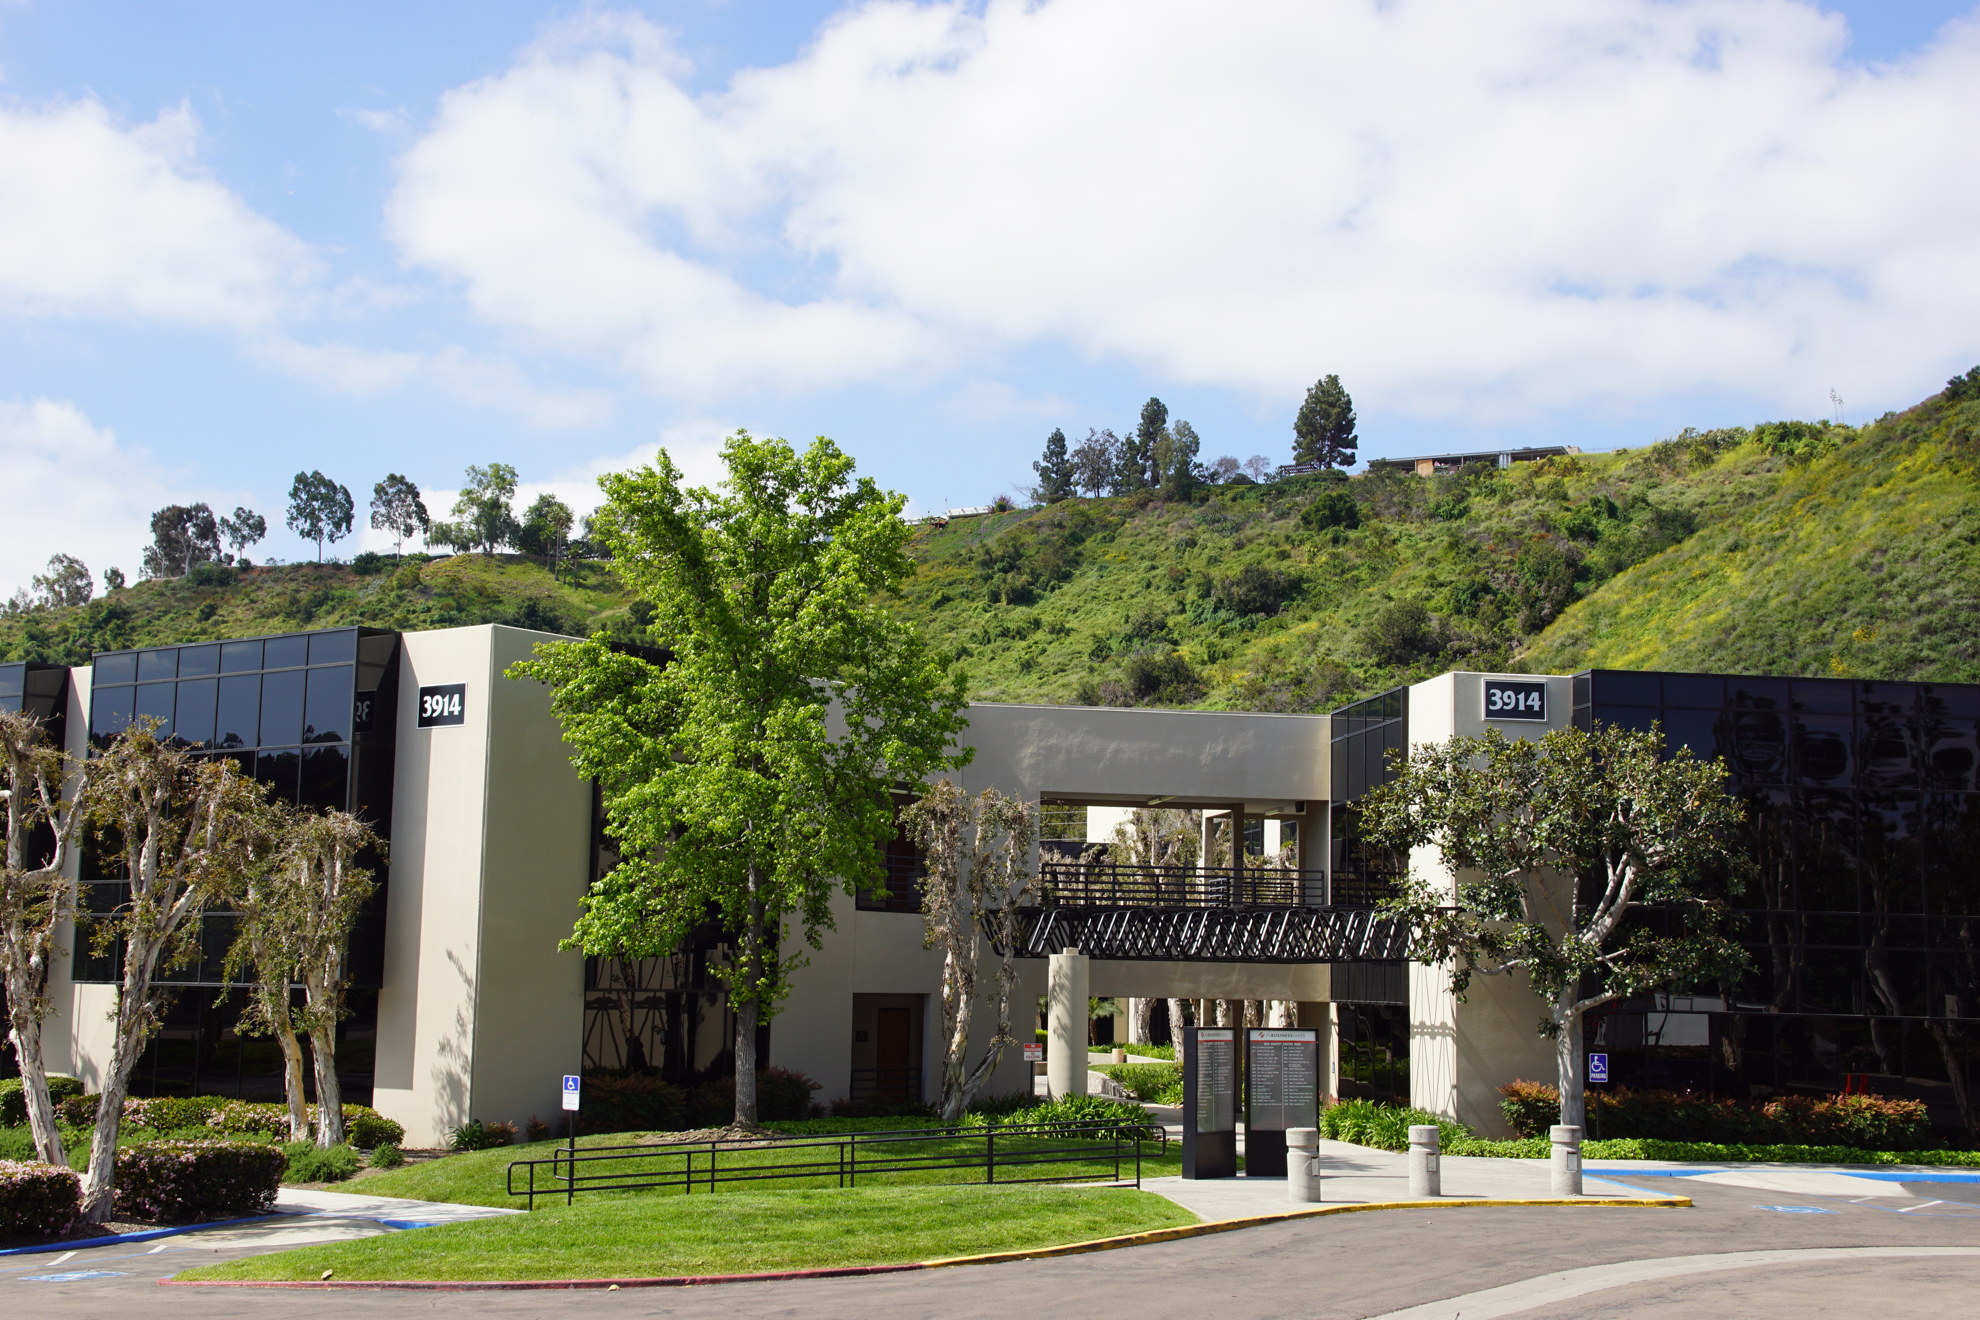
(1872,1122)
(477,1135)
(366,1128)
(171,1111)
(780,1094)
(210,574)
(368,562)
(13,1104)
(309,1162)
(1127,1118)
(1159,1083)
(37,1200)
(1385,1127)
(631,1102)
(1254,589)
(1333,508)
(1863,1121)
(387,1156)
(536,1130)
(77,1110)
(182,1182)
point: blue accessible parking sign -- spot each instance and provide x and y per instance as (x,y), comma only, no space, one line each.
(570,1091)
(1598,1068)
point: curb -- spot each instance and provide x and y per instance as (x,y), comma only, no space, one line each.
(1146,1238)
(146,1235)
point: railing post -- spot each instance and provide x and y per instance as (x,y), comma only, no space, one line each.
(990,1153)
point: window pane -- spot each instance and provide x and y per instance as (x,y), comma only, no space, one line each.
(240,657)
(326,777)
(1822,748)
(1615,687)
(193,723)
(154,701)
(118,668)
(198,661)
(328,648)
(282,707)
(1695,691)
(158,664)
(239,721)
(1693,729)
(1825,694)
(284,652)
(13,678)
(327,713)
(110,711)
(280,769)
(1757,747)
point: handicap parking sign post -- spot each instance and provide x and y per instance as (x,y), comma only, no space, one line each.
(572,1084)
(1598,1068)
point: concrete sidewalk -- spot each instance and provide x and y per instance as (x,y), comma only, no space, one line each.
(391,1211)
(1360,1175)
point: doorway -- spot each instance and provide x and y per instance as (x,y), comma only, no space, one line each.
(886,1053)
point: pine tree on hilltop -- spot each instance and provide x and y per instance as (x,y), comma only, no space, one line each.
(1055,470)
(1323,432)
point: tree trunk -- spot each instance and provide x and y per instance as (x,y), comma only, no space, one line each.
(1141,1021)
(100,1181)
(958,998)
(292,1072)
(749,1008)
(1567,1061)
(322,1021)
(25,1032)
(1178,1019)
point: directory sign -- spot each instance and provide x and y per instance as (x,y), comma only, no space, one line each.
(1282,1090)
(1210,1092)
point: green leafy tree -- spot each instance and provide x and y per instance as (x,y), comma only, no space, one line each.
(241,529)
(1056,477)
(320,510)
(750,775)
(183,536)
(113,579)
(1551,845)
(67,582)
(546,531)
(1323,432)
(483,514)
(1093,462)
(46,801)
(397,508)
(1176,450)
(321,861)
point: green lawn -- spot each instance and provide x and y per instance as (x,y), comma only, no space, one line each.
(743,1232)
(478,1178)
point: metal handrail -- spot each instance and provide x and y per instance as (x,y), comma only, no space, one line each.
(844,1157)
(1103,884)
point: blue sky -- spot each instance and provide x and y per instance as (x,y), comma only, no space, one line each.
(241,240)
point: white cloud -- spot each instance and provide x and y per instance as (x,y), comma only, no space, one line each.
(101,219)
(352,369)
(73,490)
(1455,204)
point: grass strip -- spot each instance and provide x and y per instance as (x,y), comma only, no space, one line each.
(748,1232)
(479,1177)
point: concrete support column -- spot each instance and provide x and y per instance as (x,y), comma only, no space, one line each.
(1066,980)
(1566,1156)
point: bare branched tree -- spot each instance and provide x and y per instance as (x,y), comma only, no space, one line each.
(47,799)
(978,854)
(320,863)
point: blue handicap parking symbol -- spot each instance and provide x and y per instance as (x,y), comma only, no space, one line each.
(71,1276)
(570,1082)
(1598,1068)
(1799,1209)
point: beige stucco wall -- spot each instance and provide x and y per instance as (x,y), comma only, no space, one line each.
(480,1014)
(1462,1052)
(77,1036)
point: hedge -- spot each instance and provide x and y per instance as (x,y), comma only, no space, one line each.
(1158,1083)
(183,1182)
(631,1102)
(13,1104)
(364,1126)
(1868,1122)
(1128,1118)
(37,1200)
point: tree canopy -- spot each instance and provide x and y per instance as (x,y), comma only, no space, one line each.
(243,528)
(1323,432)
(1057,479)
(1553,844)
(319,510)
(749,774)
(182,537)
(484,513)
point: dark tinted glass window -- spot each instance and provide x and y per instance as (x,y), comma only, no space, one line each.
(1758,693)
(1615,687)
(282,652)
(240,657)
(157,664)
(194,721)
(110,711)
(1696,729)
(1628,717)
(282,707)
(198,661)
(13,680)
(114,669)
(1822,749)
(154,701)
(1831,695)
(332,647)
(239,723)
(281,770)
(1756,747)
(1886,746)
(327,713)
(326,777)
(1697,691)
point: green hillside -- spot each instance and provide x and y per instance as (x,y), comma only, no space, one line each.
(1792,547)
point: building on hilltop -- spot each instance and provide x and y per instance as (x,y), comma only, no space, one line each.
(1430,465)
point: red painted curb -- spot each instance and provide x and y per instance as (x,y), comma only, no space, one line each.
(539,1285)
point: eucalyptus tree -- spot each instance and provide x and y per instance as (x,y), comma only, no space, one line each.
(978,856)
(47,800)
(397,508)
(264,955)
(1552,844)
(320,510)
(321,861)
(184,831)
(750,775)
(241,529)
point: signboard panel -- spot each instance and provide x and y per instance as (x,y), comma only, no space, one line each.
(1282,1090)
(1034,1054)
(1508,699)
(571,1085)
(1598,1068)
(1210,1085)
(442,704)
